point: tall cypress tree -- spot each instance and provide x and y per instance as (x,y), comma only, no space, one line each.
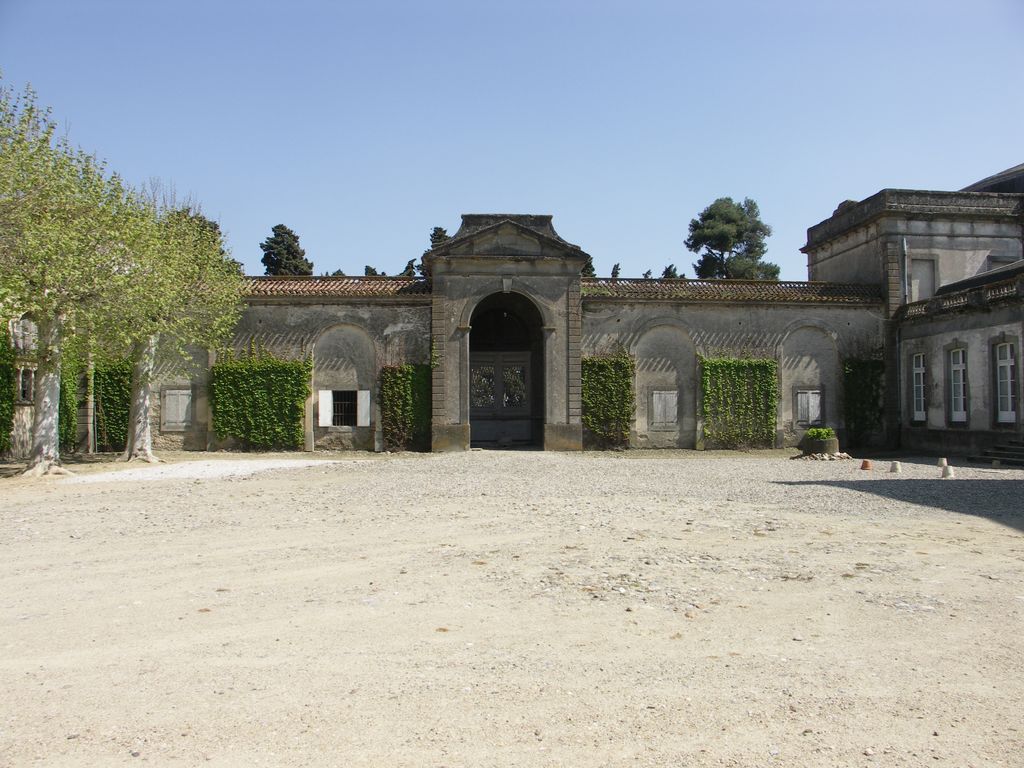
(282,254)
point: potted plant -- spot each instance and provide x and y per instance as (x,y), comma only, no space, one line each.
(820,440)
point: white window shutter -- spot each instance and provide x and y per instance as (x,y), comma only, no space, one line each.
(363,408)
(326,408)
(665,407)
(802,406)
(813,407)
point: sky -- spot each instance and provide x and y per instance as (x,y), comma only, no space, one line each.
(363,125)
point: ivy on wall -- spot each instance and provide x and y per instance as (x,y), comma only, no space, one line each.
(112,396)
(740,401)
(405,406)
(7,383)
(608,398)
(863,387)
(67,414)
(260,400)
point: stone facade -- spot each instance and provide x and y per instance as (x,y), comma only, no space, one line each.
(506,318)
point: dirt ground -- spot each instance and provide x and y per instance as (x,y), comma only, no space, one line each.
(513,609)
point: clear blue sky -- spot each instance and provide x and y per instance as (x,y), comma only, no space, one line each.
(363,125)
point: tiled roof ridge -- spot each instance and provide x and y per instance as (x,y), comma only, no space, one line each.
(336,285)
(730,290)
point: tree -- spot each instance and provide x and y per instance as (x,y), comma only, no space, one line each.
(282,254)
(730,239)
(410,269)
(438,235)
(369,271)
(670,271)
(588,267)
(615,271)
(647,275)
(64,252)
(184,289)
(337,273)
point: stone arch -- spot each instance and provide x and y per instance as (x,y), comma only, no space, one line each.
(808,364)
(506,371)
(344,357)
(666,376)
(546,315)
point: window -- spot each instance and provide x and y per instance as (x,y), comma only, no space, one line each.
(808,406)
(958,386)
(1006,384)
(26,385)
(344,408)
(176,410)
(922,279)
(664,409)
(918,387)
(24,335)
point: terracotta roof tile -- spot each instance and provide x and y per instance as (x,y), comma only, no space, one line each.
(731,290)
(337,286)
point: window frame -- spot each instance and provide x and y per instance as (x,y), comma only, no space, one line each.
(342,416)
(673,396)
(326,411)
(189,419)
(957,417)
(808,390)
(918,387)
(1007,417)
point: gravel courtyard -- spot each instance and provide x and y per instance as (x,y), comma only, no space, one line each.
(513,609)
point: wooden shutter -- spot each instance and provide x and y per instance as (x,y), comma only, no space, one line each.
(664,405)
(363,408)
(326,417)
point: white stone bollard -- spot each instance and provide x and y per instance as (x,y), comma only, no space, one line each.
(943,463)
(896,467)
(947,472)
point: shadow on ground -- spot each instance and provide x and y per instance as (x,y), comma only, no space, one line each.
(998,500)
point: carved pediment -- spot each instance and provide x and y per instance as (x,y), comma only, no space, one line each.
(505,236)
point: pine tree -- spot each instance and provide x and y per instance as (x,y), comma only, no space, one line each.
(670,271)
(282,254)
(730,239)
(615,271)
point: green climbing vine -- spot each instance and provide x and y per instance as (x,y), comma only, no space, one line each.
(7,383)
(405,406)
(608,398)
(259,399)
(112,397)
(863,388)
(740,400)
(67,414)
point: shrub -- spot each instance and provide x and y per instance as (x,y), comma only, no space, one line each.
(863,389)
(740,400)
(7,384)
(608,400)
(820,433)
(405,406)
(260,400)
(112,396)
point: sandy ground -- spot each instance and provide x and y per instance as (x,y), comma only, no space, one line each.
(513,609)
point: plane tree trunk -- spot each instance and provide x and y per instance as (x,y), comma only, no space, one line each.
(139,440)
(45,456)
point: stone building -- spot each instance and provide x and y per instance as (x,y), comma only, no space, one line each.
(930,282)
(505,321)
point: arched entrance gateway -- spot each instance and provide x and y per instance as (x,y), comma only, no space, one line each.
(506,373)
(505,332)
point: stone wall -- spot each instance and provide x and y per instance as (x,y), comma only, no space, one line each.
(666,338)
